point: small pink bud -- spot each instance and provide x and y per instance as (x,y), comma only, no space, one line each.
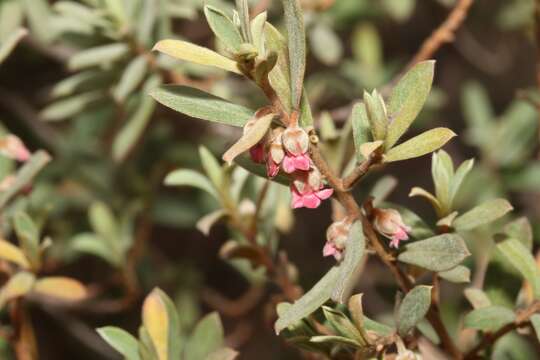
(388,222)
(336,239)
(295,141)
(257,153)
(11,146)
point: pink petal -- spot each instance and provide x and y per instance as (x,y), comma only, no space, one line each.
(296,201)
(394,243)
(271,168)
(400,234)
(325,193)
(288,164)
(301,162)
(311,201)
(257,153)
(329,249)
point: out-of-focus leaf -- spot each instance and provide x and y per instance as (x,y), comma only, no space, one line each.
(459,274)
(25,175)
(422,144)
(367,47)
(18,285)
(360,126)
(223,28)
(211,167)
(28,236)
(11,253)
(294,21)
(91,244)
(477,298)
(133,75)
(11,17)
(9,44)
(382,189)
(133,129)
(201,105)
(439,253)
(413,308)
(326,45)
(222,354)
(521,258)
(489,318)
(349,269)
(400,10)
(205,223)
(38,14)
(250,138)
(69,107)
(342,325)
(121,341)
(257,31)
(61,288)
(482,214)
(520,229)
(98,56)
(311,301)
(478,112)
(207,337)
(186,51)
(535,321)
(186,177)
(407,99)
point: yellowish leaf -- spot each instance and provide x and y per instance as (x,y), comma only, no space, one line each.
(251,137)
(61,288)
(10,252)
(156,322)
(18,285)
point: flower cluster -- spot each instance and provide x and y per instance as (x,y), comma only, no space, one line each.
(287,150)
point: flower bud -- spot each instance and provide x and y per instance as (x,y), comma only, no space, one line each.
(257,153)
(12,147)
(295,140)
(388,222)
(336,239)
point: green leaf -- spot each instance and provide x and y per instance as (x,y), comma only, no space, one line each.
(535,321)
(95,245)
(382,189)
(28,236)
(133,75)
(457,180)
(294,21)
(360,127)
(520,229)
(185,177)
(400,10)
(243,12)
(186,51)
(98,56)
(350,267)
(103,222)
(223,28)
(413,308)
(131,132)
(422,144)
(342,325)
(11,18)
(222,354)
(311,301)
(70,107)
(376,110)
(38,15)
(478,112)
(459,274)
(438,253)
(211,167)
(367,46)
(207,337)
(477,298)
(407,99)
(201,105)
(418,191)
(325,43)
(522,259)
(490,318)
(121,341)
(257,31)
(12,253)
(482,214)
(442,170)
(9,44)
(60,288)
(18,285)
(250,138)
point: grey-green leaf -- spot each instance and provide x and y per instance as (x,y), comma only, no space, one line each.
(420,145)
(70,107)
(438,253)
(477,298)
(9,44)
(294,21)
(223,28)
(489,318)
(521,258)
(535,321)
(133,75)
(407,99)
(459,274)
(206,338)
(100,55)
(482,214)
(360,127)
(121,341)
(186,177)
(413,308)
(325,43)
(199,104)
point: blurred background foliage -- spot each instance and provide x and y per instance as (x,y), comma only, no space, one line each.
(77,86)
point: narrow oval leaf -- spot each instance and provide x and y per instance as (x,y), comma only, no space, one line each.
(521,258)
(413,308)
(156,322)
(90,243)
(489,318)
(185,177)
(223,28)
(207,337)
(311,301)
(61,288)
(199,104)
(18,285)
(482,214)
(10,252)
(28,236)
(250,138)
(360,127)
(257,31)
(325,43)
(133,75)
(350,267)
(121,341)
(101,55)
(342,325)
(186,51)
(520,229)
(212,167)
(222,354)
(9,44)
(418,191)
(69,107)
(279,77)
(439,253)
(477,298)
(294,21)
(407,99)
(535,321)
(459,274)
(420,145)
(458,178)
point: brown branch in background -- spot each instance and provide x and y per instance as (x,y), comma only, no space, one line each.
(537,38)
(522,319)
(233,308)
(443,34)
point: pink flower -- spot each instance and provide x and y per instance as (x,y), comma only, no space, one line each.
(388,222)
(257,153)
(308,190)
(292,163)
(12,147)
(276,154)
(296,144)
(336,239)
(331,249)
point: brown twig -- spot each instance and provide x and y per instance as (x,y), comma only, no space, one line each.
(443,34)
(522,319)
